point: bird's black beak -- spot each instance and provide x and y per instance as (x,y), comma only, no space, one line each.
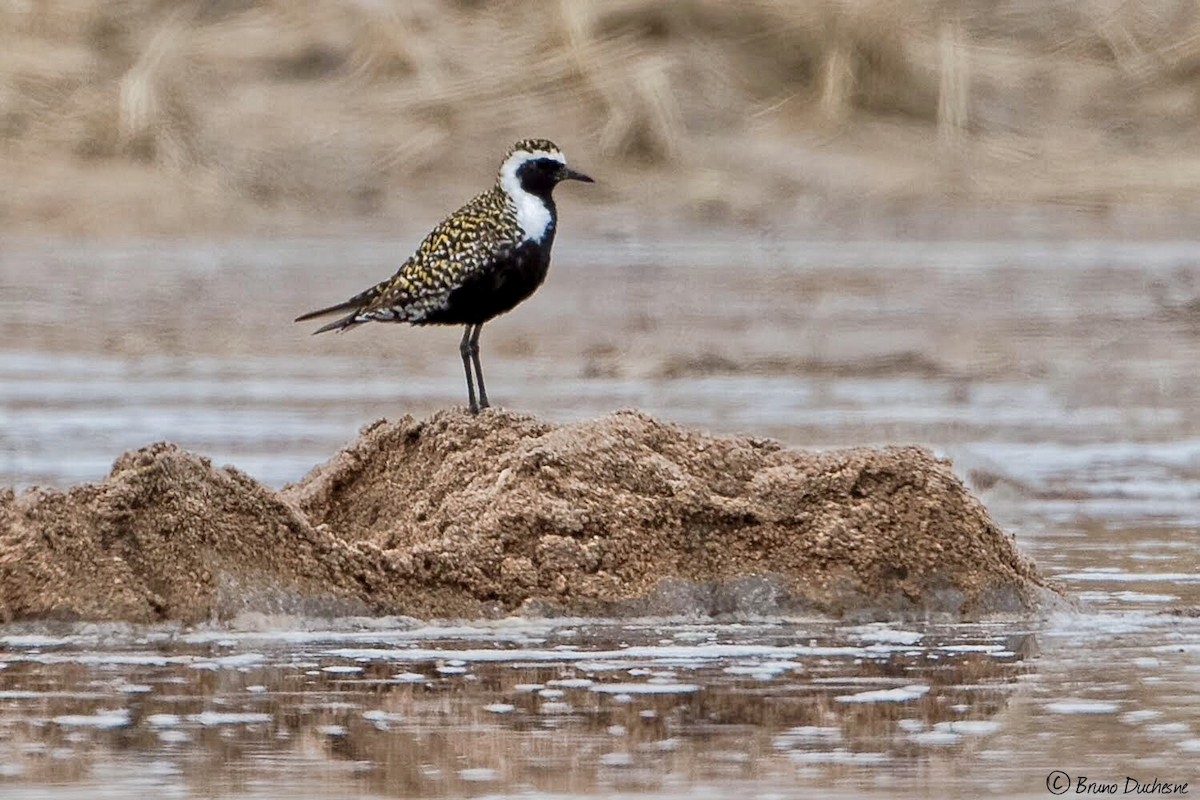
(566,174)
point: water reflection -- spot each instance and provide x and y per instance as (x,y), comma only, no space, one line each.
(567,708)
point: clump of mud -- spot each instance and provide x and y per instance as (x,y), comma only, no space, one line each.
(166,536)
(479,516)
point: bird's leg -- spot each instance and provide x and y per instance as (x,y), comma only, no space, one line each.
(464,347)
(483,401)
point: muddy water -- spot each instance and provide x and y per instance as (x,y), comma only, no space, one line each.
(1060,378)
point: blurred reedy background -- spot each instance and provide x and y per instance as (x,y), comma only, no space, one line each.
(164,117)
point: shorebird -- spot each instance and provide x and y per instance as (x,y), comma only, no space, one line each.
(478,263)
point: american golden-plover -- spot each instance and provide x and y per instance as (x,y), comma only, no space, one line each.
(479,262)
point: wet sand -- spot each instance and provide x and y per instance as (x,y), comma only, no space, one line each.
(1059,377)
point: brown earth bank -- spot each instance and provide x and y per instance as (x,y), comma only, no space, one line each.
(460,516)
(157,117)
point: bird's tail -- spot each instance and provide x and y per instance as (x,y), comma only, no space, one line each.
(348,321)
(363,301)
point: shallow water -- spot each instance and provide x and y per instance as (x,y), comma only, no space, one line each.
(1059,377)
(592,707)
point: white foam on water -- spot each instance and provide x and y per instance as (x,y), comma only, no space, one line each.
(500,708)
(885,635)
(118,718)
(616,760)
(135,688)
(1043,462)
(25,694)
(1147,512)
(382,719)
(1082,707)
(935,738)
(527,688)
(216,718)
(1144,597)
(805,734)
(1170,730)
(839,756)
(899,695)
(762,672)
(382,631)
(163,720)
(600,666)
(669,745)
(342,669)
(1140,716)
(1181,647)
(667,654)
(971,648)
(1097,627)
(332,730)
(102,659)
(1121,576)
(479,775)
(859,680)
(969,727)
(35,640)
(231,661)
(645,688)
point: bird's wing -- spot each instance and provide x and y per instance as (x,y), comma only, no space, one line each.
(472,240)
(469,241)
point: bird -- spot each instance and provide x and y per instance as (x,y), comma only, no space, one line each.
(477,263)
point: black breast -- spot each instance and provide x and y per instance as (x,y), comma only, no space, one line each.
(499,288)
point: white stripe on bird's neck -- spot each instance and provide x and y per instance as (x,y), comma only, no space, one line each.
(532,213)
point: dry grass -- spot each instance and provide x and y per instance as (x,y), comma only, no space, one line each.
(159,115)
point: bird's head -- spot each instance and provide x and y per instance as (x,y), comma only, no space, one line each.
(536,166)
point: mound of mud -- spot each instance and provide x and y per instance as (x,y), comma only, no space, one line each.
(167,537)
(479,516)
